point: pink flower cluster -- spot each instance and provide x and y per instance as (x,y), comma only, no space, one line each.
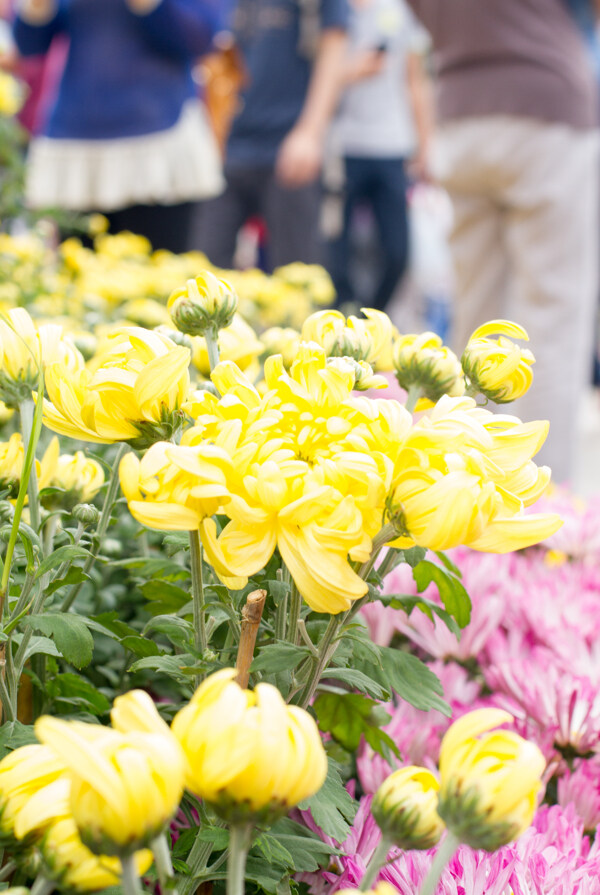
(532,647)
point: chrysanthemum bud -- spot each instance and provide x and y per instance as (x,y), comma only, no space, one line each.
(258,776)
(404,807)
(497,368)
(490,780)
(205,302)
(86,513)
(423,361)
(364,377)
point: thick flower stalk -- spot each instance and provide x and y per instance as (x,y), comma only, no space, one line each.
(489,780)
(497,368)
(125,787)
(134,393)
(260,775)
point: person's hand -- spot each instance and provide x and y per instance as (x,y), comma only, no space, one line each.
(299,159)
(419,167)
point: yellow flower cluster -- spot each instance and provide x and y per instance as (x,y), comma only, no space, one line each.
(486,796)
(122,279)
(90,795)
(306,466)
(79,476)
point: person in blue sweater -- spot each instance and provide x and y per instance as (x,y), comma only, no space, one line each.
(127,135)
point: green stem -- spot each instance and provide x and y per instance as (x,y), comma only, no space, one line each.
(200,638)
(7,870)
(28,466)
(295,609)
(326,650)
(443,855)
(414,392)
(26,411)
(240,837)
(42,886)
(212,346)
(388,563)
(103,523)
(197,861)
(377,861)
(164,866)
(129,878)
(387,533)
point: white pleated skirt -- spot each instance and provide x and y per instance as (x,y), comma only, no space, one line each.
(181,164)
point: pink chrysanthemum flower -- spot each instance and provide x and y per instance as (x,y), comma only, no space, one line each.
(580,787)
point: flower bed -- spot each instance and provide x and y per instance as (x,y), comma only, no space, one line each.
(242,587)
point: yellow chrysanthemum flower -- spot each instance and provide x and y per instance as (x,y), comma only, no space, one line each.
(498,369)
(125,787)
(135,394)
(278,762)
(490,780)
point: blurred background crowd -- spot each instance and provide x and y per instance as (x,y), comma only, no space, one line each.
(438,157)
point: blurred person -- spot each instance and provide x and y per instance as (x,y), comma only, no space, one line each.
(517,149)
(292,51)
(126,135)
(384,121)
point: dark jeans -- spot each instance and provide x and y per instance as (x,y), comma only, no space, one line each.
(291,216)
(166,226)
(381,183)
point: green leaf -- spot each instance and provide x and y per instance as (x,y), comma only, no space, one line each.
(332,807)
(63,554)
(294,846)
(73,688)
(13,734)
(412,680)
(452,593)
(358,680)
(177,630)
(140,646)
(172,666)
(217,835)
(151,568)
(164,597)
(346,717)
(446,561)
(273,850)
(75,575)
(279,657)
(408,602)
(414,555)
(38,645)
(69,632)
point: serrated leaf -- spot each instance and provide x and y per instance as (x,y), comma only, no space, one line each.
(452,593)
(140,646)
(38,645)
(412,680)
(358,680)
(70,634)
(279,657)
(64,554)
(408,602)
(173,666)
(177,630)
(414,555)
(73,687)
(273,850)
(13,734)
(75,575)
(332,807)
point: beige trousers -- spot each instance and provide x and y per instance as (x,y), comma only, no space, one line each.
(525,245)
